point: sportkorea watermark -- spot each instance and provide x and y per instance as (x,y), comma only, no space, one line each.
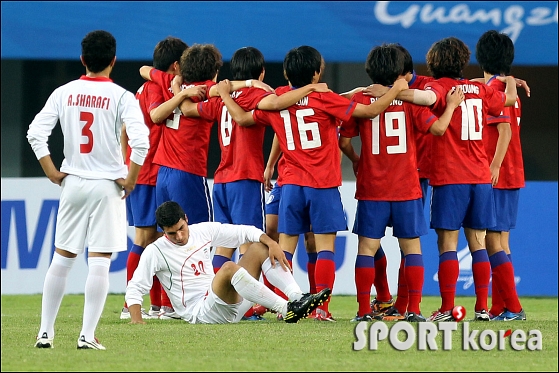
(403,335)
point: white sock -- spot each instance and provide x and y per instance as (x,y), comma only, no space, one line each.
(96,290)
(243,308)
(281,279)
(53,292)
(255,291)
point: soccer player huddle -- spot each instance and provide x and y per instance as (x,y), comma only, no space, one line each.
(458,135)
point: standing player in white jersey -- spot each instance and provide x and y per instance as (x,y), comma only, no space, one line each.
(94,179)
(181,260)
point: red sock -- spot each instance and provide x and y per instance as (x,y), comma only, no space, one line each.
(381,280)
(497,303)
(311,265)
(504,287)
(364,277)
(155,292)
(132,262)
(481,270)
(414,274)
(165,301)
(401,303)
(325,273)
(448,277)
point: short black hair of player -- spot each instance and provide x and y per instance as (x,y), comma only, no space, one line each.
(200,62)
(98,50)
(167,51)
(385,64)
(247,63)
(300,64)
(495,52)
(168,214)
(447,58)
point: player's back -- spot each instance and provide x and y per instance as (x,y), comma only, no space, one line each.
(184,140)
(308,137)
(388,163)
(242,156)
(458,157)
(423,140)
(91,113)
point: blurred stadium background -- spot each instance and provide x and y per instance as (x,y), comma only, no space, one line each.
(40,49)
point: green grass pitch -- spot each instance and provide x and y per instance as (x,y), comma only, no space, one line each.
(255,346)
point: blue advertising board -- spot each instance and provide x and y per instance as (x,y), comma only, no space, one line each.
(343,31)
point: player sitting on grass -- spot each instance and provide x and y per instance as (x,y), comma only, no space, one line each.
(181,260)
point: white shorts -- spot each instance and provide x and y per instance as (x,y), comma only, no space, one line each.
(212,310)
(91,213)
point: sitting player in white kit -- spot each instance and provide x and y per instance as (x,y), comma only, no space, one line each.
(181,259)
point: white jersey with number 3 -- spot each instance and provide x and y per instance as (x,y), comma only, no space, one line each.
(91,112)
(186,272)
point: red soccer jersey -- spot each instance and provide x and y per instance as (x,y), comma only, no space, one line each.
(511,175)
(458,157)
(387,169)
(308,138)
(242,156)
(149,96)
(423,140)
(184,141)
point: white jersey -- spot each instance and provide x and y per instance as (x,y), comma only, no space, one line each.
(186,272)
(91,112)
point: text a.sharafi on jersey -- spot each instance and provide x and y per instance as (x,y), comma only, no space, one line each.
(89,101)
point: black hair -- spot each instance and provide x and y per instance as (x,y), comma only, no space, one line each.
(168,51)
(168,214)
(495,52)
(385,64)
(247,63)
(300,64)
(98,50)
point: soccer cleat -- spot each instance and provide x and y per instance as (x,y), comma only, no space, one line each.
(439,316)
(510,316)
(168,313)
(125,314)
(379,308)
(390,314)
(415,317)
(44,341)
(301,308)
(365,317)
(89,345)
(154,311)
(482,315)
(253,318)
(321,315)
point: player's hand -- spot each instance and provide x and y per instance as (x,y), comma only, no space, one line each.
(276,254)
(455,96)
(258,84)
(127,186)
(320,87)
(57,177)
(400,84)
(268,173)
(523,84)
(224,88)
(494,174)
(375,90)
(198,91)
(135,322)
